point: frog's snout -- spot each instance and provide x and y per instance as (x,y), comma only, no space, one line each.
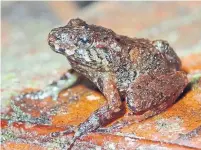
(55,45)
(53,35)
(51,41)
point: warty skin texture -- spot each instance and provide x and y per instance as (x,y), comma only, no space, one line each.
(145,73)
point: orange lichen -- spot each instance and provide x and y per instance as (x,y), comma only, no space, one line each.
(78,112)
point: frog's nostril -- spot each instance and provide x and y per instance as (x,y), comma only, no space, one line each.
(51,38)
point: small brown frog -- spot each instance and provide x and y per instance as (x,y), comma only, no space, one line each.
(145,73)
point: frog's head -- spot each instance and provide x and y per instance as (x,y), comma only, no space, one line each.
(77,40)
(70,38)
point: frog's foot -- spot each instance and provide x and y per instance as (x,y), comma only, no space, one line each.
(66,80)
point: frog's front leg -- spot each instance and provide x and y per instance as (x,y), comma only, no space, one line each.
(52,90)
(104,114)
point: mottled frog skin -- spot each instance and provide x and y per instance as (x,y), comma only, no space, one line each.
(144,73)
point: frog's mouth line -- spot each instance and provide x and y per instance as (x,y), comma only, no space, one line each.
(62,50)
(69,52)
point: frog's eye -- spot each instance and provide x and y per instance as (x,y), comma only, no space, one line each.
(63,37)
(86,26)
(84,40)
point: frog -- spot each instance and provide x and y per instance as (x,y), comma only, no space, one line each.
(144,73)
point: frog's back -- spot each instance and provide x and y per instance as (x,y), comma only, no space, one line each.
(146,58)
(138,56)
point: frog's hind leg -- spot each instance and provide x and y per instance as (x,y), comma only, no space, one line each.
(149,96)
(150,91)
(52,90)
(130,118)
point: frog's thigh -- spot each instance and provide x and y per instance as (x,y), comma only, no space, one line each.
(148,92)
